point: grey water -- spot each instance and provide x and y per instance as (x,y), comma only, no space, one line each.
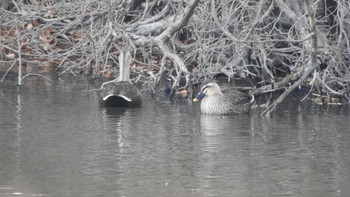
(56,141)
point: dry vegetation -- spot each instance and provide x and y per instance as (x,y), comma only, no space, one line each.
(272,44)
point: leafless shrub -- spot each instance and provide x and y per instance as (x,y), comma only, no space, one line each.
(273,43)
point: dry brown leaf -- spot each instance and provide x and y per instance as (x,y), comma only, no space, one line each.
(101,66)
(48,30)
(26,50)
(29,26)
(11,56)
(50,14)
(108,74)
(36,22)
(23,40)
(76,37)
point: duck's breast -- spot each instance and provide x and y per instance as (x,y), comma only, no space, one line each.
(216,104)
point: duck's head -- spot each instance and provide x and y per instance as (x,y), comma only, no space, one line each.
(208,89)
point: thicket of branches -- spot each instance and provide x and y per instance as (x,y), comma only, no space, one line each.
(273,44)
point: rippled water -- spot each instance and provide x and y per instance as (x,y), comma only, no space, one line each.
(56,141)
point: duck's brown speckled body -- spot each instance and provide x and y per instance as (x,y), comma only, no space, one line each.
(213,101)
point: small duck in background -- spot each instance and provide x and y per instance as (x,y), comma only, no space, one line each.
(162,91)
(214,102)
(121,92)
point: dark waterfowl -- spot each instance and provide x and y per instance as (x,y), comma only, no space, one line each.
(162,91)
(213,101)
(121,92)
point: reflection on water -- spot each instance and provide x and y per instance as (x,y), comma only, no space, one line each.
(56,141)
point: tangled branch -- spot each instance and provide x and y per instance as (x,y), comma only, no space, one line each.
(273,45)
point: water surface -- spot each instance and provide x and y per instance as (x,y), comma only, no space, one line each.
(56,141)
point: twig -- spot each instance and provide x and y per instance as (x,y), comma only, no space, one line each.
(35,74)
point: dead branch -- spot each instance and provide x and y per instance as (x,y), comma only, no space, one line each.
(310,67)
(271,44)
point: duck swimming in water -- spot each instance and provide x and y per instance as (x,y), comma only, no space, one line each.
(214,102)
(121,92)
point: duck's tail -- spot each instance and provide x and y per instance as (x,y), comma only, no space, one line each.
(120,95)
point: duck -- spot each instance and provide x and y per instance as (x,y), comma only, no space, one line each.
(162,91)
(214,102)
(121,92)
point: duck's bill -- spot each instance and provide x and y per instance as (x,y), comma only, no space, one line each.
(199,96)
